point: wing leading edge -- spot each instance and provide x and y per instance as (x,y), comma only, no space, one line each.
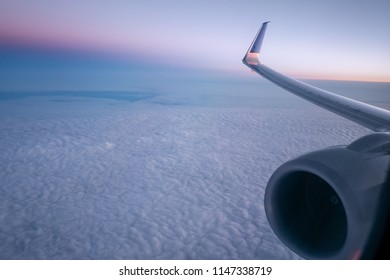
(369,116)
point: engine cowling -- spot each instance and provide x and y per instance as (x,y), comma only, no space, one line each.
(328,204)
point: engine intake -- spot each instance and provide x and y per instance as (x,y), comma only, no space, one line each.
(324,205)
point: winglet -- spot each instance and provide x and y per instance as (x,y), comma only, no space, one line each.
(253,53)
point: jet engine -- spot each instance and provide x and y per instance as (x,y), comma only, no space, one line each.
(333,203)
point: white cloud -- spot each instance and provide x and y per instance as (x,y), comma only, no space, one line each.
(177,183)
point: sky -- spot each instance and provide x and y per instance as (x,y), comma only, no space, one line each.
(97,44)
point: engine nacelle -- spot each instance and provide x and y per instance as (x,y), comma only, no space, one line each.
(327,204)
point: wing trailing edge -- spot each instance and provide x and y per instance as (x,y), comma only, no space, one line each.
(369,116)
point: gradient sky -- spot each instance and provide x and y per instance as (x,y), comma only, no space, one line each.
(62,40)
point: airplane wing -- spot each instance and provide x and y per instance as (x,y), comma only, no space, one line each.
(331,203)
(369,116)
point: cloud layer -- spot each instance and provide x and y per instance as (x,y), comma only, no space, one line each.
(148,181)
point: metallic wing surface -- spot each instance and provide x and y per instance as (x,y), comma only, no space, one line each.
(372,117)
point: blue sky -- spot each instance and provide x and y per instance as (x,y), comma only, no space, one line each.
(88,43)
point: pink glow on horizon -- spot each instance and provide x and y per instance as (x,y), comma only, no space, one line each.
(61,38)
